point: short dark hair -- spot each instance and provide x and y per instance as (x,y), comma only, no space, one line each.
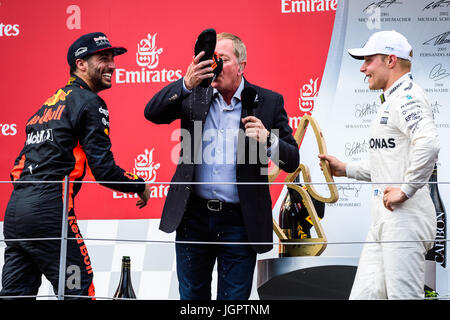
(73,68)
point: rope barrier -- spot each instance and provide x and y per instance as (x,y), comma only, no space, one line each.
(230,182)
(275,243)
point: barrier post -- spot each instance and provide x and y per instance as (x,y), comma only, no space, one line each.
(63,252)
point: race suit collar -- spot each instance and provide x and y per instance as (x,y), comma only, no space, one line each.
(397,84)
(74,80)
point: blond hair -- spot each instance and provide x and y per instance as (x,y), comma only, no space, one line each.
(403,63)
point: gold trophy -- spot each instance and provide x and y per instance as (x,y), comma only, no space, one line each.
(306,246)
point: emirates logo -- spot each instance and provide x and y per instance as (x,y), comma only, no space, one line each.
(308,95)
(145,167)
(150,70)
(147,54)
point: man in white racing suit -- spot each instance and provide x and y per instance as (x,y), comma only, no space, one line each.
(404,147)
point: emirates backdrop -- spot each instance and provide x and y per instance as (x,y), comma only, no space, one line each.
(286,51)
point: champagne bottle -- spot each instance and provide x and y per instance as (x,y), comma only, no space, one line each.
(289,219)
(438,252)
(284,222)
(294,217)
(125,288)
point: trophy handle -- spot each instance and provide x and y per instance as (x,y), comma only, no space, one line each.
(278,231)
(299,135)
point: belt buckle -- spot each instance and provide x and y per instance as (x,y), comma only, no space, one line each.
(215,202)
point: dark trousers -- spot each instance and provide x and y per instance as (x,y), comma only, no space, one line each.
(32,216)
(195,262)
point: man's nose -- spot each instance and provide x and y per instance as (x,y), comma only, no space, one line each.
(112,64)
(363,67)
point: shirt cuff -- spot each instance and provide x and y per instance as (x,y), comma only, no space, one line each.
(185,90)
(273,144)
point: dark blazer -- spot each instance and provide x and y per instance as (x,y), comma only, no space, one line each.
(169,104)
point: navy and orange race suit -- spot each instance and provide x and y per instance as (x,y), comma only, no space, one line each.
(67,136)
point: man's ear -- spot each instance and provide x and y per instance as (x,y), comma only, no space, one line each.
(242,65)
(81,65)
(391,60)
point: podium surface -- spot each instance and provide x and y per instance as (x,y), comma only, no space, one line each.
(306,277)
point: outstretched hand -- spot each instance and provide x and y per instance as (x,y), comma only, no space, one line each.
(337,167)
(144,196)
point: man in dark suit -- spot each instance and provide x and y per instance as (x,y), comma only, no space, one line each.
(214,156)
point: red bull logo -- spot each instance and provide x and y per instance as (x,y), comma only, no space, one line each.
(130,175)
(59,96)
(48,115)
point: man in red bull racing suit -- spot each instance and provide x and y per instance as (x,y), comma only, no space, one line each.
(67,136)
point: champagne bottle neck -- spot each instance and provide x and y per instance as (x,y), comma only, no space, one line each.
(125,288)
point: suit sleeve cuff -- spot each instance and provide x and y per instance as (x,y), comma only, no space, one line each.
(408,189)
(350,170)
(185,90)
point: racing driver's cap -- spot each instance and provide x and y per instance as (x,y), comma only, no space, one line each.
(384,42)
(89,44)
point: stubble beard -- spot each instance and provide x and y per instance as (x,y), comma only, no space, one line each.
(95,75)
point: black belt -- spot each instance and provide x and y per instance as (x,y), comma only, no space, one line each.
(214,205)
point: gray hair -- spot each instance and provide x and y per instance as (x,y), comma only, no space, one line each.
(240,50)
